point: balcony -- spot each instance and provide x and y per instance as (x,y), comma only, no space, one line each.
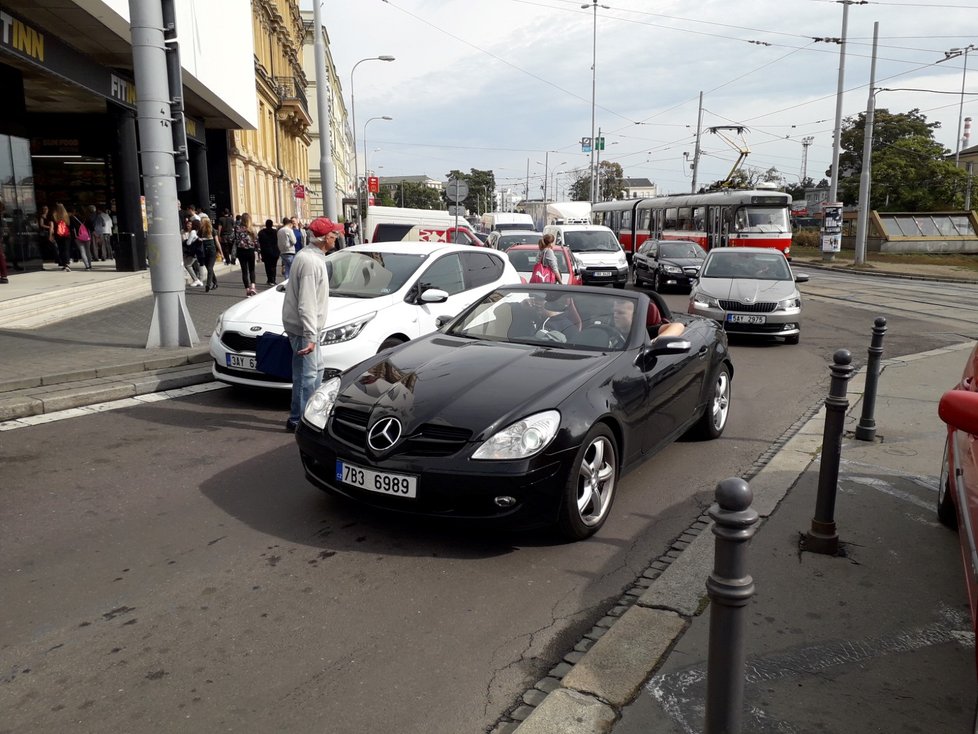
(293,110)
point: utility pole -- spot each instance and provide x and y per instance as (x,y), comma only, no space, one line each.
(171,325)
(327,176)
(696,151)
(865,175)
(597,170)
(526,195)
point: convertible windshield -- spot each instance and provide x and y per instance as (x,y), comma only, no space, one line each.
(687,250)
(370,274)
(729,263)
(594,241)
(552,318)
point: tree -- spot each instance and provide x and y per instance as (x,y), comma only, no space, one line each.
(910,170)
(410,195)
(482,189)
(610,179)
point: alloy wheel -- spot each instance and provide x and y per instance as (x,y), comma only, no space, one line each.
(721,401)
(596,481)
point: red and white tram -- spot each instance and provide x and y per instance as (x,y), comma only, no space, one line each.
(717,219)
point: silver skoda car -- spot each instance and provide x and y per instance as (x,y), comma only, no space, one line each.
(750,290)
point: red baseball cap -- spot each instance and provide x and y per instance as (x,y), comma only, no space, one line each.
(323,226)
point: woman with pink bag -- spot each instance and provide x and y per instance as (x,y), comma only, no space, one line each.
(546,271)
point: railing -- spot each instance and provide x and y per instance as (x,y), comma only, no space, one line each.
(291,89)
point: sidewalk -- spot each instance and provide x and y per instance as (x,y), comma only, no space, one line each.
(79,338)
(876,640)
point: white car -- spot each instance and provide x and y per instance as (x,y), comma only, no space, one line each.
(380,295)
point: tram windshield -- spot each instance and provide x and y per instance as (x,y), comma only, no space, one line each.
(757,219)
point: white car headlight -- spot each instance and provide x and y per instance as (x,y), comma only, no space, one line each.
(672,269)
(522,439)
(704,301)
(347,331)
(219,326)
(321,403)
(622,260)
(788,303)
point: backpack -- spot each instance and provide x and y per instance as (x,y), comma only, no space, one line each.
(83,235)
(61,228)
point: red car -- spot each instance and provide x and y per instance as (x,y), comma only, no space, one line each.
(524,257)
(957,499)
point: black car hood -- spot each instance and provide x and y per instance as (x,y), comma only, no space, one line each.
(682,262)
(478,385)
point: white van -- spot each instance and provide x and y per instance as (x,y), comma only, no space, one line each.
(398,224)
(597,250)
(499,221)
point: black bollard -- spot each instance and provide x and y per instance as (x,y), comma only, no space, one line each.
(730,588)
(823,538)
(866,430)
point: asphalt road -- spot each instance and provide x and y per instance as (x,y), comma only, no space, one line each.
(168,568)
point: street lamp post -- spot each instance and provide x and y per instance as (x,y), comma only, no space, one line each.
(365,169)
(953,54)
(594,63)
(353,115)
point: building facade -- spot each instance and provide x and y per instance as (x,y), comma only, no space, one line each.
(639,188)
(269,165)
(68,127)
(340,131)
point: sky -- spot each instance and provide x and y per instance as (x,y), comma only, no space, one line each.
(506,85)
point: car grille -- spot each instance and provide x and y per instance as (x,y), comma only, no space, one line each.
(239,342)
(747,307)
(431,439)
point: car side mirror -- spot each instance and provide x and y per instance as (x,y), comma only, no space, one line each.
(442,320)
(668,345)
(801,278)
(433,295)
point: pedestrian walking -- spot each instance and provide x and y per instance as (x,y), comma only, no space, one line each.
(103,234)
(208,245)
(268,247)
(225,237)
(304,314)
(190,264)
(546,270)
(82,237)
(246,245)
(286,245)
(61,231)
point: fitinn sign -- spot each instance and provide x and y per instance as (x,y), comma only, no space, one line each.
(24,41)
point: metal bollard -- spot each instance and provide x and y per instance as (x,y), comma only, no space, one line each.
(866,430)
(730,588)
(823,538)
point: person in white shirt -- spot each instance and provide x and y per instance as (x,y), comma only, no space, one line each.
(103,235)
(286,245)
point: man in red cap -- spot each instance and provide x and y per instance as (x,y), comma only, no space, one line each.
(304,313)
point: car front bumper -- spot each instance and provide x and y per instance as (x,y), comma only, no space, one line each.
(523,493)
(596,275)
(776,323)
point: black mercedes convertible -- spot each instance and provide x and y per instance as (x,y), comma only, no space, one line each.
(525,408)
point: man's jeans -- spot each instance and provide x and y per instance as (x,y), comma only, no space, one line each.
(307,376)
(287,258)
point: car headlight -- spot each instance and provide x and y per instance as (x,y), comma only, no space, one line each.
(622,260)
(347,331)
(672,269)
(704,301)
(788,303)
(219,326)
(321,403)
(522,439)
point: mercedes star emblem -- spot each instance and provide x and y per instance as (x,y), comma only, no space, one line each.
(384,434)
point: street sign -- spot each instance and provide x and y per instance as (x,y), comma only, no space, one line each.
(456,189)
(600,143)
(299,191)
(585,145)
(456,211)
(373,184)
